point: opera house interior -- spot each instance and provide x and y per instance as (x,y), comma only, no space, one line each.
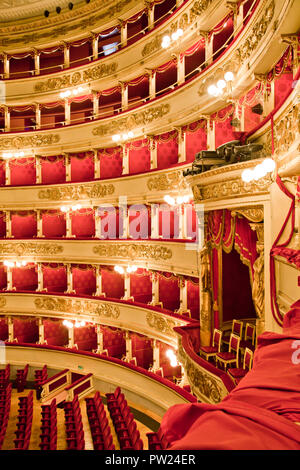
(149,225)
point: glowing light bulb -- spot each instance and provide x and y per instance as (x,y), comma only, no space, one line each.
(269,165)
(212,90)
(116,137)
(75,92)
(130,134)
(247,176)
(24,263)
(169,200)
(174,36)
(228,76)
(221,84)
(179,32)
(186,198)
(179,200)
(166,40)
(64,209)
(259,172)
(124,136)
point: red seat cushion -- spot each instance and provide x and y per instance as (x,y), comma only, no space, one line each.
(226,356)
(209,349)
(237,372)
(247,344)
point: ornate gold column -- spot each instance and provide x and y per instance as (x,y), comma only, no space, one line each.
(10,323)
(123,27)
(154,220)
(69,279)
(258,285)
(99,339)
(150,10)
(9,283)
(39,223)
(293,40)
(96,164)
(41,331)
(127,295)
(183,297)
(36,61)
(66,55)
(237,14)
(153,152)
(95,104)
(71,337)
(180,68)
(156,358)
(128,341)
(125,167)
(208,47)
(98,292)
(7,172)
(95,46)
(6,118)
(8,233)
(155,289)
(205,297)
(152,83)
(67,112)
(38,169)
(40,277)
(124,95)
(6,65)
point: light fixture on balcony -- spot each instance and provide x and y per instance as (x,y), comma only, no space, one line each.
(74,208)
(178,200)
(8,155)
(166,40)
(172,358)
(14,264)
(123,137)
(75,92)
(259,171)
(131,269)
(223,85)
(119,269)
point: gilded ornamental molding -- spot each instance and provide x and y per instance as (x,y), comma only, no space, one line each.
(140,118)
(201,382)
(78,306)
(170,181)
(76,78)
(2,302)
(163,325)
(254,214)
(133,251)
(231,188)
(36,140)
(30,249)
(75,193)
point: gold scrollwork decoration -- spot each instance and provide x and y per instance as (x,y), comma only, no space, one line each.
(36,140)
(163,325)
(167,181)
(100,309)
(140,118)
(133,251)
(30,248)
(77,192)
(2,302)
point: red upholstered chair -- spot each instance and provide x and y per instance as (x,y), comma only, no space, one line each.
(237,329)
(238,373)
(232,356)
(249,341)
(211,351)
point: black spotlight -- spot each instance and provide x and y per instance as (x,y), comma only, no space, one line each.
(70,6)
(46,13)
(58,10)
(257,109)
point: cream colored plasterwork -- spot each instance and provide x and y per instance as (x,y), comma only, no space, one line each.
(100,309)
(167,182)
(231,188)
(36,140)
(76,78)
(30,248)
(74,193)
(133,251)
(140,118)
(163,325)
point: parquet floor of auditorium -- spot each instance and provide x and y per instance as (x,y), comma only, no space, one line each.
(8,443)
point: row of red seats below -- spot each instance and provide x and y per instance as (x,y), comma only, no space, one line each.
(49,427)
(5,400)
(24,423)
(157,441)
(73,423)
(21,378)
(124,422)
(39,378)
(99,425)
(4,376)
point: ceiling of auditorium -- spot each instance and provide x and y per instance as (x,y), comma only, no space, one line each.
(15,10)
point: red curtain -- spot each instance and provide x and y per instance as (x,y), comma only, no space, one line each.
(82,166)
(3,278)
(23,225)
(141,286)
(25,278)
(193,301)
(3,330)
(22,171)
(111,162)
(167,149)
(84,280)
(53,170)
(169,292)
(54,224)
(54,278)
(142,350)
(139,156)
(26,331)
(112,283)
(114,342)
(83,223)
(55,333)
(196,140)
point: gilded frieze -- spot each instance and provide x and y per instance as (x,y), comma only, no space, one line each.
(100,309)
(76,78)
(2,302)
(231,188)
(254,214)
(125,124)
(30,248)
(202,383)
(286,131)
(163,325)
(75,193)
(133,251)
(36,140)
(167,182)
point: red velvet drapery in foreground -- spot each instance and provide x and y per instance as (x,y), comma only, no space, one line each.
(260,413)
